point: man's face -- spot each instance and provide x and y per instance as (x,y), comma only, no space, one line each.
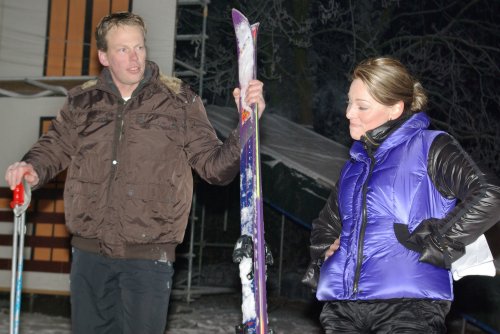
(125,57)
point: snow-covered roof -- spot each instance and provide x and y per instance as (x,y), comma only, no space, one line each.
(290,143)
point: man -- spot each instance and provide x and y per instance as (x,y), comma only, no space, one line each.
(129,140)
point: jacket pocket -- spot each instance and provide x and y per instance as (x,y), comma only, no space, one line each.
(89,167)
(83,206)
(166,122)
(151,213)
(152,136)
(93,121)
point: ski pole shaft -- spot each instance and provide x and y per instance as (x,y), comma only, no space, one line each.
(19,204)
(19,278)
(13,274)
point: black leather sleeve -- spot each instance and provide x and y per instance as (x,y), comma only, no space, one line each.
(325,229)
(456,175)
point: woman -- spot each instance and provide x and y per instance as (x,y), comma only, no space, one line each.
(404,207)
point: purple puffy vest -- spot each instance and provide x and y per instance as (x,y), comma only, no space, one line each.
(371,264)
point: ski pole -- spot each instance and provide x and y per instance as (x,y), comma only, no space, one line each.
(19,204)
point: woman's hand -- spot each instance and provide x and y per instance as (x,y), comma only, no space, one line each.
(332,248)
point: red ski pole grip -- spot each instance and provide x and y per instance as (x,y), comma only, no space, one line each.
(18,196)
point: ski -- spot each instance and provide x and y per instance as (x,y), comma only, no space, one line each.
(250,250)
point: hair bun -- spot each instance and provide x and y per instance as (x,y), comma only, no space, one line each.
(419,97)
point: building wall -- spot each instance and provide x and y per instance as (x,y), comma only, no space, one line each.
(160,18)
(56,38)
(22,37)
(20,126)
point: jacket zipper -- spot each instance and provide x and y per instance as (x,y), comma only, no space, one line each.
(117,137)
(361,239)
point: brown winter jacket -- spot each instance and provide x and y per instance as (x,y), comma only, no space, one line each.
(129,181)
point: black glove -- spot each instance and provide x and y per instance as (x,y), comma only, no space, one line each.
(311,276)
(419,237)
(426,239)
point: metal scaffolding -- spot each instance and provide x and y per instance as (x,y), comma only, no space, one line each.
(187,69)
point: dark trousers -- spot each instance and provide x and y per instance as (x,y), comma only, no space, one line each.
(398,317)
(118,296)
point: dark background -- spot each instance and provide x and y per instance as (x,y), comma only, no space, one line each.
(308,48)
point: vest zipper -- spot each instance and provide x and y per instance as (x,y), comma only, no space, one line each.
(362,231)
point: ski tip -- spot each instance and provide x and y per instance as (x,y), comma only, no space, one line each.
(234,12)
(238,16)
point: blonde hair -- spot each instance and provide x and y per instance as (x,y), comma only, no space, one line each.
(388,82)
(115,20)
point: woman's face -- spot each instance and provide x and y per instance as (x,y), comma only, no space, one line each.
(364,113)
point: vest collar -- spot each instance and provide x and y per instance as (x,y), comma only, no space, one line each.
(372,139)
(388,135)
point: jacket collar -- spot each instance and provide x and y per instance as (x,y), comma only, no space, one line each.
(106,81)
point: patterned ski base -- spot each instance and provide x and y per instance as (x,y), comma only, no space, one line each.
(250,248)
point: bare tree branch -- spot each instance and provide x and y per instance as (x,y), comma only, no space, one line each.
(453,48)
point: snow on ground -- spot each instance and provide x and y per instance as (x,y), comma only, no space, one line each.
(210,314)
(35,323)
